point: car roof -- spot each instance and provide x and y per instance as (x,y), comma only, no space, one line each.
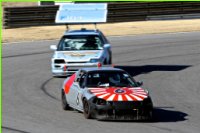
(82,31)
(91,69)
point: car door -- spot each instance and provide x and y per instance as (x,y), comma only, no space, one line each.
(72,93)
(82,84)
(76,91)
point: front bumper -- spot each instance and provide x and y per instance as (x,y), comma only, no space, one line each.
(129,110)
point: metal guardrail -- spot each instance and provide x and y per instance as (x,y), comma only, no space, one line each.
(174,17)
(117,12)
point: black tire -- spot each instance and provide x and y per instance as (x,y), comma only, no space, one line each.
(86,109)
(65,105)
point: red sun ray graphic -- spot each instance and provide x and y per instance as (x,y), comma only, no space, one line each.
(120,94)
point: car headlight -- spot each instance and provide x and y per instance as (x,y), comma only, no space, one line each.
(94,60)
(99,101)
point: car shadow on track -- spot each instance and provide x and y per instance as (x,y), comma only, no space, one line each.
(137,70)
(159,115)
(164,115)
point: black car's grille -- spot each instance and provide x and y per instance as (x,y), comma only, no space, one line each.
(127,105)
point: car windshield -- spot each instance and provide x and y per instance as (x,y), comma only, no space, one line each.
(110,79)
(80,42)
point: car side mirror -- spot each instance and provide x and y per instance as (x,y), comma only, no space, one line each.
(82,86)
(140,83)
(106,45)
(53,47)
(77,80)
(76,83)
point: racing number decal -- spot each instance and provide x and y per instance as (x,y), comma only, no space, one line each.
(77,100)
(69,83)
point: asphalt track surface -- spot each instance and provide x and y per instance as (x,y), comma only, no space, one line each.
(169,65)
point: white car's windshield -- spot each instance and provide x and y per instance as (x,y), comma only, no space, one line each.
(80,42)
(110,78)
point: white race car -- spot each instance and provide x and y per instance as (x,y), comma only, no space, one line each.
(80,48)
(106,93)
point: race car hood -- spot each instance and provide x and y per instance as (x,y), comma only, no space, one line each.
(79,55)
(120,94)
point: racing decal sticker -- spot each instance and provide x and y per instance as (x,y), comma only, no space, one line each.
(120,94)
(78,54)
(77,99)
(69,83)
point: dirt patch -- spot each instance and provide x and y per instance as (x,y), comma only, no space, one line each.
(128,28)
(18,4)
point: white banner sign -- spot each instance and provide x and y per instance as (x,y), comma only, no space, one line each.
(81,13)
